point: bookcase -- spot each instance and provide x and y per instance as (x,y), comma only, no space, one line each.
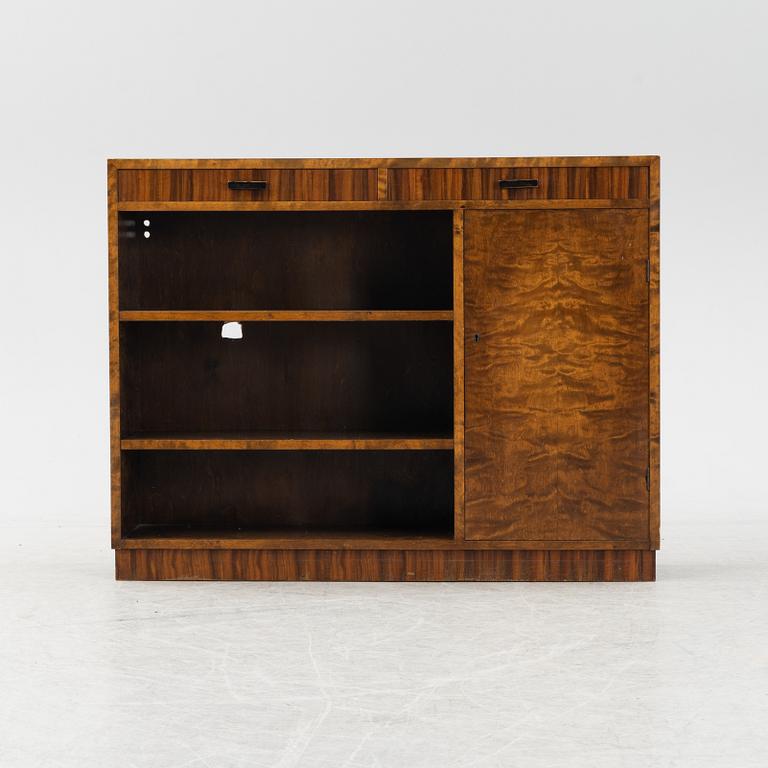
(384,369)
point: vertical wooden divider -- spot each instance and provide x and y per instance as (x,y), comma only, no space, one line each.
(382,180)
(458,373)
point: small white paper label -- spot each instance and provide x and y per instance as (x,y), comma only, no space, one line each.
(232,331)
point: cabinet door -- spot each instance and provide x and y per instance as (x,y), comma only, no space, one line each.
(556,369)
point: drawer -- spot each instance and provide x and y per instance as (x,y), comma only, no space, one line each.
(179,184)
(599,182)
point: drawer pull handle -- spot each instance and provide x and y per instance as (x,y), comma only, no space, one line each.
(247,184)
(518,183)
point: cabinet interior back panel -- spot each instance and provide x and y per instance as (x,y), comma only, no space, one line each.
(287,377)
(395,260)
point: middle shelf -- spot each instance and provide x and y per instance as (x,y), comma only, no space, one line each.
(287,441)
(314,315)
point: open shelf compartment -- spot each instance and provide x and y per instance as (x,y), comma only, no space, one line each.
(331,419)
(385,380)
(284,494)
(286,260)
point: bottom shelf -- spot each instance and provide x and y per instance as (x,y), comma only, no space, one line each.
(197,537)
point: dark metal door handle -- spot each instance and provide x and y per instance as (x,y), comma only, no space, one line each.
(247,184)
(518,183)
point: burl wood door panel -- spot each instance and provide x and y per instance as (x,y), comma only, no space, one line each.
(556,367)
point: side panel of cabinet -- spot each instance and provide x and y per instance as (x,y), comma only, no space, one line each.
(557,375)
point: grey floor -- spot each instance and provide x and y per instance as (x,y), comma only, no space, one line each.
(99,673)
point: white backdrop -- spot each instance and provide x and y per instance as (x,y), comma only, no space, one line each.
(83,81)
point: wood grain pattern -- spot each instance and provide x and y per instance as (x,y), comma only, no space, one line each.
(556,434)
(288,443)
(385,565)
(114,355)
(195,184)
(458,373)
(172,537)
(374,205)
(384,162)
(618,183)
(317,315)
(655,355)
(382,180)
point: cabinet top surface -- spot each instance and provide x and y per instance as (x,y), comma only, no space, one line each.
(429,162)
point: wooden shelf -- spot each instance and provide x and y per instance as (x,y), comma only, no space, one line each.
(320,315)
(272,441)
(147,536)
(182,537)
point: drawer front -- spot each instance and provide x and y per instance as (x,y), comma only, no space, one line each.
(603,183)
(182,184)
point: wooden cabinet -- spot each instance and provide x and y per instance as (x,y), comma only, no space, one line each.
(439,369)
